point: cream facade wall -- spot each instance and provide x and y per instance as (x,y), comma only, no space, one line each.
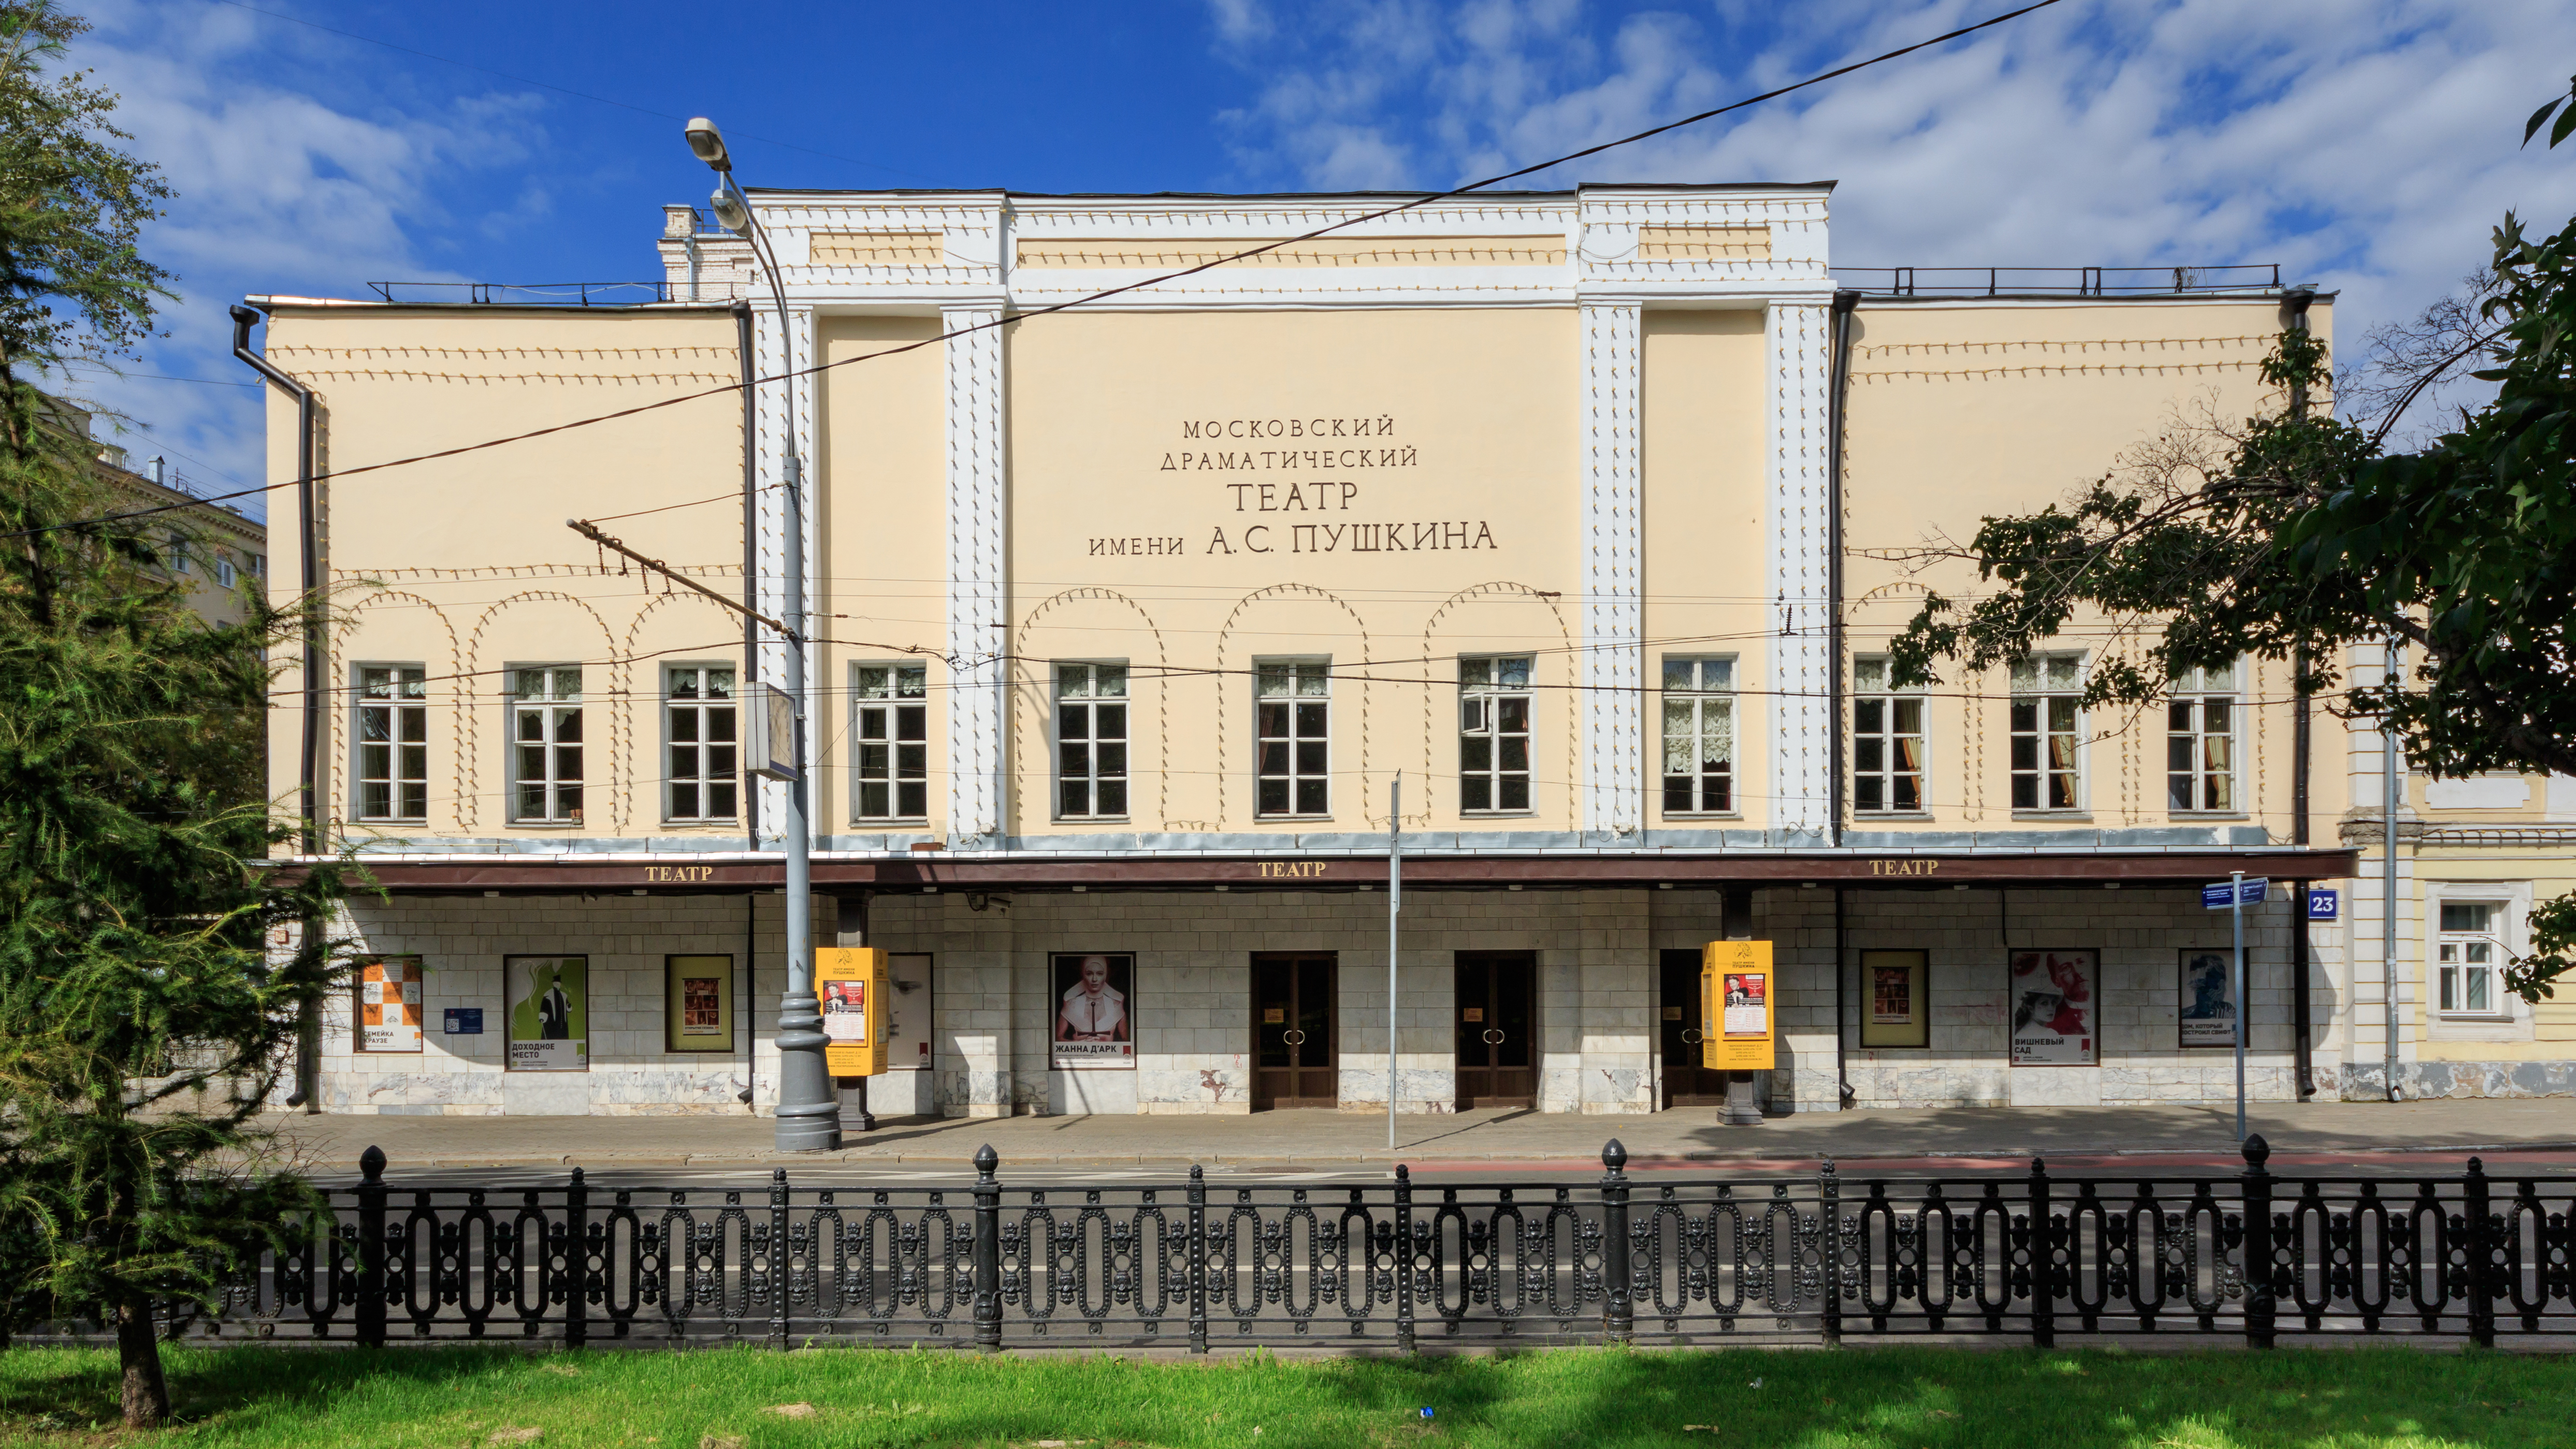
(1593,429)
(1960,411)
(462,566)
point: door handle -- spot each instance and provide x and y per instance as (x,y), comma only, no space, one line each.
(1691,1036)
(1493,1036)
(1293,1037)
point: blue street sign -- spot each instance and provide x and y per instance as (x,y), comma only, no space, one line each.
(2217,897)
(2323,902)
(464,1021)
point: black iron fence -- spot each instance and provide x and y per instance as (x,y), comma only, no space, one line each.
(1395,1266)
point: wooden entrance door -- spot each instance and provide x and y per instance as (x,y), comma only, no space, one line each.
(1293,1059)
(1497,1019)
(1686,1082)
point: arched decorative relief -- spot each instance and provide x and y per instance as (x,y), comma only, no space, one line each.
(1495,591)
(455,688)
(1226,659)
(467,795)
(1028,657)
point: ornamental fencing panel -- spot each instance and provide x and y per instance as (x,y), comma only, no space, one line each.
(1391,1266)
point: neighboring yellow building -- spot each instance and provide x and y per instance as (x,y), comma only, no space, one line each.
(220,551)
(1588,512)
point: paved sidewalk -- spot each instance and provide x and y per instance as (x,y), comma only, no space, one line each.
(1301,1138)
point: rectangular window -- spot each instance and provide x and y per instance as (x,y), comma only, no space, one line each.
(892,730)
(2044,770)
(698,713)
(2472,956)
(545,736)
(1294,701)
(1699,736)
(1887,742)
(2200,741)
(1091,741)
(1494,733)
(224,574)
(393,742)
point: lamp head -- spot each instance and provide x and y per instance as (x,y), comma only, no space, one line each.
(729,209)
(708,143)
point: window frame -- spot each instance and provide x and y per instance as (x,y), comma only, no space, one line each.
(1299,668)
(1091,703)
(1496,696)
(1888,697)
(1700,695)
(2195,694)
(892,703)
(552,706)
(2498,934)
(2044,697)
(706,779)
(399,707)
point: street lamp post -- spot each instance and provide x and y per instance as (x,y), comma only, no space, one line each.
(809,1111)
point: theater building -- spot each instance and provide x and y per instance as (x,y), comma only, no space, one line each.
(1588,513)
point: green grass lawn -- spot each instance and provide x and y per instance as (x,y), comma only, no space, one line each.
(1852,1399)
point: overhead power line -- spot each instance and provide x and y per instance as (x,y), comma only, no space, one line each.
(941,337)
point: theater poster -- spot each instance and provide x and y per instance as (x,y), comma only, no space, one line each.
(698,1014)
(1093,1006)
(549,1012)
(2208,1007)
(2056,1004)
(389,991)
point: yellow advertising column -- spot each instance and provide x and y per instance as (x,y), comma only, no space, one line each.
(1738,1027)
(851,980)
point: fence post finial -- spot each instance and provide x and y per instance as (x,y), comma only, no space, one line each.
(372,1164)
(2257,1151)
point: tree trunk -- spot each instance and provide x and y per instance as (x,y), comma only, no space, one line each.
(141,1390)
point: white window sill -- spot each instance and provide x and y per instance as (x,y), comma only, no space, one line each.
(2059,817)
(2190,817)
(1498,815)
(1692,815)
(870,821)
(1861,815)
(390,820)
(729,825)
(1095,820)
(1289,819)
(546,825)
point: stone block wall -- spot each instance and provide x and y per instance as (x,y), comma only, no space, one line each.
(1194,992)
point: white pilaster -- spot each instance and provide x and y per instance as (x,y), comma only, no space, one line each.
(1795,573)
(978,504)
(774,355)
(1613,620)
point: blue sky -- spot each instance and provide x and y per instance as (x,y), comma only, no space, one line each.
(2367,145)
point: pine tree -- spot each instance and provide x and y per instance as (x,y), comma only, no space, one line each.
(142,1024)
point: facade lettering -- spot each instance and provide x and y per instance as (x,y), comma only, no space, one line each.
(1903,867)
(1134,547)
(678,874)
(1292,869)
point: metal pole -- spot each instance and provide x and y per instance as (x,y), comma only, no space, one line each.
(1394,905)
(2236,913)
(2388,871)
(809,1110)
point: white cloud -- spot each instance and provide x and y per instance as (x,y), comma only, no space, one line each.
(2367,145)
(276,189)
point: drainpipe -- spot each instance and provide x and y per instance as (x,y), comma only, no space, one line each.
(2294,303)
(750,672)
(1845,303)
(309,1023)
(750,560)
(1843,1093)
(2388,871)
